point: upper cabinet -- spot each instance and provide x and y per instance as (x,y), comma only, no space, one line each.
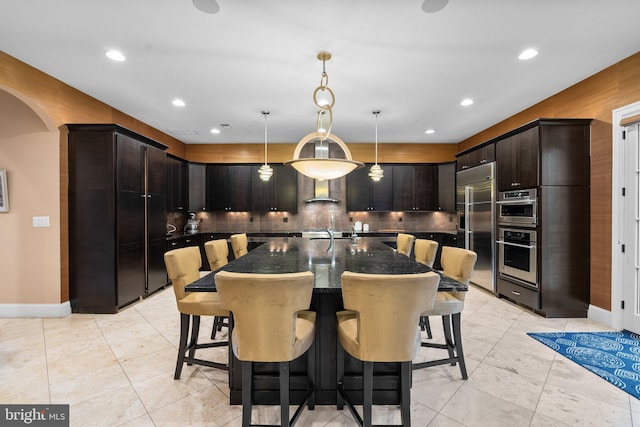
(517,158)
(228,188)
(197,187)
(476,157)
(178,191)
(363,194)
(447,186)
(415,187)
(280,193)
(544,152)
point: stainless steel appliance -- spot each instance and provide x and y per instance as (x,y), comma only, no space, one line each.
(517,256)
(475,203)
(519,208)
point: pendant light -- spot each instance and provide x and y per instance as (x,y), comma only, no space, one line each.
(323,168)
(265,170)
(376,173)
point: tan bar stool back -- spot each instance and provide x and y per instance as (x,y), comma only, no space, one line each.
(271,323)
(458,264)
(217,252)
(404,243)
(425,251)
(239,244)
(183,267)
(380,324)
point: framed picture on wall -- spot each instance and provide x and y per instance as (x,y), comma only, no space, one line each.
(4,192)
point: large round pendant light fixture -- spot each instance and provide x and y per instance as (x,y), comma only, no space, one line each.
(323,168)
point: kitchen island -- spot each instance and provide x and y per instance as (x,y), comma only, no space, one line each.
(327,262)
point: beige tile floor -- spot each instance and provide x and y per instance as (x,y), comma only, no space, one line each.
(118,370)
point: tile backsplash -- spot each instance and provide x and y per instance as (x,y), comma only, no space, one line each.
(315,216)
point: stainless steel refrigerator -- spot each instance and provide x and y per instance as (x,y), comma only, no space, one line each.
(475,203)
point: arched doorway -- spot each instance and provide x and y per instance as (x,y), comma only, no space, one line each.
(30,255)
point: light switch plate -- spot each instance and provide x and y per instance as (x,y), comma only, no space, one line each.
(40,221)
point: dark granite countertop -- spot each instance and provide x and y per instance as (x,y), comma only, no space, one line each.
(294,254)
(269,234)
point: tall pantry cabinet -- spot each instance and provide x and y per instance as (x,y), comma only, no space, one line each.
(117,217)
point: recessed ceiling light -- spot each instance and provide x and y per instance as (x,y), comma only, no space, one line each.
(466,102)
(527,54)
(430,131)
(178,103)
(215,131)
(115,55)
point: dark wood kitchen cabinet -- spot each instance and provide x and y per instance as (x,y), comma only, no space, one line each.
(117,216)
(545,152)
(197,187)
(415,187)
(228,188)
(517,159)
(280,193)
(363,194)
(476,156)
(447,186)
(178,191)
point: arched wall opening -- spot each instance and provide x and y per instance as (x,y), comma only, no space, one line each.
(30,256)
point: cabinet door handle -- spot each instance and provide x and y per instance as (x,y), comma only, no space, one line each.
(483,161)
(465,167)
(515,293)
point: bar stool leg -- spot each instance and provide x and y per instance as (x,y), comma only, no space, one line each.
(367,389)
(184,335)
(195,331)
(311,375)
(247,368)
(455,318)
(284,394)
(405,393)
(446,324)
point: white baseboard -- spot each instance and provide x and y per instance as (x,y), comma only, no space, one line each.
(600,315)
(35,310)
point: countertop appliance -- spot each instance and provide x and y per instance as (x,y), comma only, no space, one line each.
(475,203)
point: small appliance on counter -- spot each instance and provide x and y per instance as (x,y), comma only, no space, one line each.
(192,224)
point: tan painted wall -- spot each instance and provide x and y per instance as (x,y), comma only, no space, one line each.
(29,257)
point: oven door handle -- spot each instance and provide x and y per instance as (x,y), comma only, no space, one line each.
(516,202)
(502,242)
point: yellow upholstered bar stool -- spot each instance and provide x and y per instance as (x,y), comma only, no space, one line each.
(380,324)
(404,243)
(217,252)
(183,267)
(458,264)
(425,253)
(271,322)
(239,244)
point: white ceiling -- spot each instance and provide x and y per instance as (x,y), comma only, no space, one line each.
(255,55)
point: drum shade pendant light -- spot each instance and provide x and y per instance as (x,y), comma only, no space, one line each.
(265,170)
(323,168)
(376,173)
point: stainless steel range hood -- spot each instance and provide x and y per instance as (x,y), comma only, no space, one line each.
(321,191)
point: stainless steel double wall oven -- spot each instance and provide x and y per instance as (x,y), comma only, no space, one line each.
(517,237)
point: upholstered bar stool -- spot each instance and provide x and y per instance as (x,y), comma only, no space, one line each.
(458,264)
(425,253)
(183,267)
(404,243)
(217,252)
(380,324)
(270,323)
(239,244)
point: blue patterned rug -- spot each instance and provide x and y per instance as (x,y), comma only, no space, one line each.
(614,356)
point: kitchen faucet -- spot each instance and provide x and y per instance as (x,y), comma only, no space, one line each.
(331,230)
(354,235)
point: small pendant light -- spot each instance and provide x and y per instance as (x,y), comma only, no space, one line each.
(265,170)
(376,173)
